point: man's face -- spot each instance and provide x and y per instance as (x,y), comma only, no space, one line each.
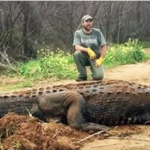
(87,24)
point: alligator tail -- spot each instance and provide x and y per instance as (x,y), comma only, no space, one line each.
(20,104)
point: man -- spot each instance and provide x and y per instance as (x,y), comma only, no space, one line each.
(90,48)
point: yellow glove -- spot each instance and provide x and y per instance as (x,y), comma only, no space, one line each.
(91,54)
(99,61)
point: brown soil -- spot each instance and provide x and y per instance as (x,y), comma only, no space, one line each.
(26,133)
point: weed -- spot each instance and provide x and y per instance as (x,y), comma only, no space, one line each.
(60,65)
(29,113)
(1,146)
(16,146)
(49,64)
(127,53)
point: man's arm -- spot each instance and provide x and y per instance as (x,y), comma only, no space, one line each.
(77,43)
(80,48)
(103,51)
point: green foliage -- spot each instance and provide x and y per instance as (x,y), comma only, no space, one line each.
(127,53)
(145,44)
(48,65)
(60,65)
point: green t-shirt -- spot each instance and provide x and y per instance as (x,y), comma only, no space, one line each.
(94,40)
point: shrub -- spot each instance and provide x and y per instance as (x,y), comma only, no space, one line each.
(49,64)
(61,65)
(127,53)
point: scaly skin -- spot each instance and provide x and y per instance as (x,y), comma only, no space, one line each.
(66,104)
(106,102)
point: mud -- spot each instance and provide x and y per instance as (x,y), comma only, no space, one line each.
(27,133)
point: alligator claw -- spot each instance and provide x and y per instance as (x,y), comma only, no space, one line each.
(94,127)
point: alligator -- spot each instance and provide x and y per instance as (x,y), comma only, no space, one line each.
(88,105)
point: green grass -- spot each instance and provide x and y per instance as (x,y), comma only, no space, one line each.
(145,44)
(16,86)
(60,65)
(48,65)
(130,52)
(56,66)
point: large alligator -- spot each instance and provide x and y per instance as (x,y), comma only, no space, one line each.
(86,105)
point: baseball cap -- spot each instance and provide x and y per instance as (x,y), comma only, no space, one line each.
(86,17)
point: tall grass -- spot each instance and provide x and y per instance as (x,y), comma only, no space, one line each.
(128,53)
(49,65)
(61,65)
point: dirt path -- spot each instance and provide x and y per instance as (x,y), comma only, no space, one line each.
(139,73)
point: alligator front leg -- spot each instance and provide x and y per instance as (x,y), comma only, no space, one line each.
(39,114)
(76,117)
(93,126)
(70,104)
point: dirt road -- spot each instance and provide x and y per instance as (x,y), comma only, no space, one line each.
(139,73)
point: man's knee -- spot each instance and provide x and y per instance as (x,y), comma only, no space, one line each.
(98,76)
(77,54)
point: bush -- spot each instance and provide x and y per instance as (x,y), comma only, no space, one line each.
(61,65)
(49,64)
(127,53)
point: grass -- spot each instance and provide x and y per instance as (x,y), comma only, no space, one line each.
(145,44)
(49,65)
(60,65)
(130,52)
